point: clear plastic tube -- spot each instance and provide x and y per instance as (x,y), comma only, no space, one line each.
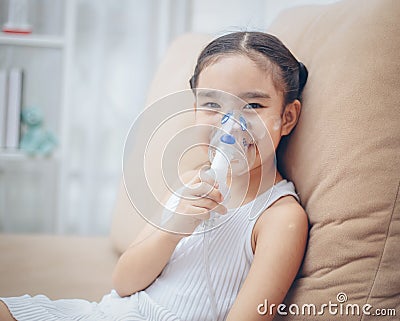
(206,263)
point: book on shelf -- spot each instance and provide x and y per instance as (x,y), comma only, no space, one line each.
(11,83)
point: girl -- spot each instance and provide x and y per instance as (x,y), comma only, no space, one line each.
(254,256)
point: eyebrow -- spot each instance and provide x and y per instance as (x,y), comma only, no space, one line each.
(254,94)
(209,93)
(244,95)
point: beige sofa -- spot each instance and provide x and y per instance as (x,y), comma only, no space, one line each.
(343,156)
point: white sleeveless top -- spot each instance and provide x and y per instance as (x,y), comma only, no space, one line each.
(181,291)
(230,256)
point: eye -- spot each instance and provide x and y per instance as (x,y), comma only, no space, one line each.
(253,106)
(211,105)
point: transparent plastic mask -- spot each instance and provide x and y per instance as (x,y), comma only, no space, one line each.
(221,102)
(232,139)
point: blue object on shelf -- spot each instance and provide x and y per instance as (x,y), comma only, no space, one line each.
(36,140)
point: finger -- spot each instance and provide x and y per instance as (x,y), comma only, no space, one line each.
(206,203)
(192,210)
(205,190)
(197,214)
(215,195)
(195,180)
(196,206)
(208,176)
(220,209)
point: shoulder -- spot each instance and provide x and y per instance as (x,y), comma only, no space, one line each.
(285,217)
(280,246)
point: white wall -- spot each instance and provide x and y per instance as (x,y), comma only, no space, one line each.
(222,16)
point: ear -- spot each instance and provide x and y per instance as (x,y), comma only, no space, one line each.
(291,114)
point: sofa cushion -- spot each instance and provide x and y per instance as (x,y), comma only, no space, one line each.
(57,266)
(344,154)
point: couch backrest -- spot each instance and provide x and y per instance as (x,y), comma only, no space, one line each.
(343,156)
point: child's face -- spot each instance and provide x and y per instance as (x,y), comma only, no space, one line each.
(241,77)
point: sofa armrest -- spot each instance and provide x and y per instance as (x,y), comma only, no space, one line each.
(57,266)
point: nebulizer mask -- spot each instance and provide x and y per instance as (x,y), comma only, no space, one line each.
(235,129)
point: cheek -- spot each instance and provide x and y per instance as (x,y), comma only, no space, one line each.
(276,133)
(207,119)
(265,150)
(277,123)
(274,125)
(205,122)
(266,146)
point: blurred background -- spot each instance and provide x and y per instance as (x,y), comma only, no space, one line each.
(86,66)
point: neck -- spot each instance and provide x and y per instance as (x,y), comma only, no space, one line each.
(248,186)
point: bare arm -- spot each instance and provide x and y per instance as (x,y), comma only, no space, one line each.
(147,256)
(144,260)
(280,244)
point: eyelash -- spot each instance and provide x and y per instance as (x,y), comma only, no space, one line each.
(253,106)
(247,106)
(211,105)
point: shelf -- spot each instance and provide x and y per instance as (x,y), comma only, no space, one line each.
(32,40)
(18,155)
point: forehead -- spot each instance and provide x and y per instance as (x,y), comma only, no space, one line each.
(238,74)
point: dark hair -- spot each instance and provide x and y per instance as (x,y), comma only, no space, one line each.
(267,51)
